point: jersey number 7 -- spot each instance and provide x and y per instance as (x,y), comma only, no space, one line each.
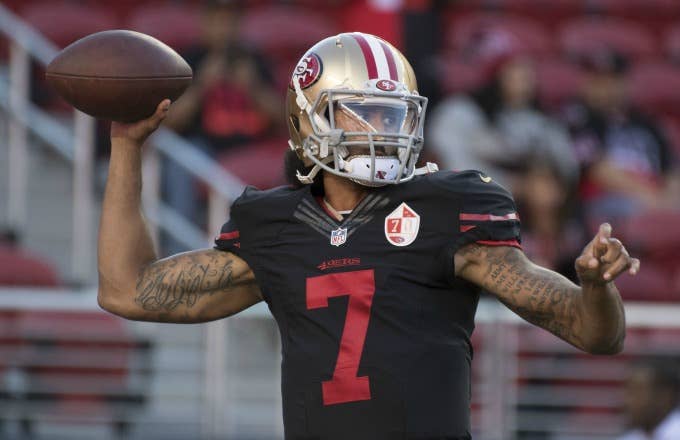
(346,386)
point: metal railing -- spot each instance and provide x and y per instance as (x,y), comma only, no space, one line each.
(75,144)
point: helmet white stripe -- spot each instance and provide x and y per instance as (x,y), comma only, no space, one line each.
(369,58)
(389,56)
(379,56)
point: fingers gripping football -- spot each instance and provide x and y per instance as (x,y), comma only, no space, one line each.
(605,258)
(137,132)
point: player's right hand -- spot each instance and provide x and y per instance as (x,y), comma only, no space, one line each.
(138,132)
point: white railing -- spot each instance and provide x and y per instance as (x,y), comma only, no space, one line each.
(75,144)
(505,408)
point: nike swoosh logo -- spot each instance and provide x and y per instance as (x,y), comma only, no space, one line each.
(485,179)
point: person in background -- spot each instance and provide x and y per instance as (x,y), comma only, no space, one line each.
(230,103)
(627,165)
(500,129)
(652,396)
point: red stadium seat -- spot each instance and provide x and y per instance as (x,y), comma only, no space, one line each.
(635,8)
(557,81)
(458,75)
(175,24)
(655,235)
(671,128)
(672,45)
(547,11)
(258,164)
(262,28)
(65,22)
(501,33)
(70,327)
(587,35)
(19,268)
(652,283)
(656,87)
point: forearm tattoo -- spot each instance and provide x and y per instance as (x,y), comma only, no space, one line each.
(182,280)
(538,295)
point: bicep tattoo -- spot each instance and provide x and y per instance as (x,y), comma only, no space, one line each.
(183,280)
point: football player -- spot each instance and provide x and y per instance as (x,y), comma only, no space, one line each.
(371,267)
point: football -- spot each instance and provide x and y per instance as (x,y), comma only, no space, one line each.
(119,75)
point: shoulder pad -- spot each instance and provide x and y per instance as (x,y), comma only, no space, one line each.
(467,182)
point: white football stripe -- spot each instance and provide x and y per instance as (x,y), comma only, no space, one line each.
(379,56)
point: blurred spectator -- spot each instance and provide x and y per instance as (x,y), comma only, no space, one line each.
(500,125)
(652,396)
(501,130)
(230,103)
(8,237)
(626,162)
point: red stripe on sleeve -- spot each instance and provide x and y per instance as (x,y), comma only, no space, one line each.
(488,217)
(229,235)
(513,243)
(465,228)
(391,64)
(368,56)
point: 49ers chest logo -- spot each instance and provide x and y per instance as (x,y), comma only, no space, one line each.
(307,71)
(402,225)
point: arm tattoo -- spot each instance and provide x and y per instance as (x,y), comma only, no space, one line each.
(182,280)
(538,295)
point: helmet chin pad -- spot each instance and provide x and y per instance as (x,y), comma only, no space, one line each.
(386,169)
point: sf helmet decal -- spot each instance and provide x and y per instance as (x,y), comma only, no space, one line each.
(307,71)
(402,225)
(386,85)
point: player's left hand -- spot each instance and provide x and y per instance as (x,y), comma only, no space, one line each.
(605,258)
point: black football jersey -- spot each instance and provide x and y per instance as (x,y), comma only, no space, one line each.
(375,327)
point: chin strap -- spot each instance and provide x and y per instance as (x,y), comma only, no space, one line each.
(308,179)
(430,167)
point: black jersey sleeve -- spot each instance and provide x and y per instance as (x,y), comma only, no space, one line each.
(486,212)
(229,238)
(479,211)
(256,218)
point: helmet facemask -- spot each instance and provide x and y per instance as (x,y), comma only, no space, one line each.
(369,136)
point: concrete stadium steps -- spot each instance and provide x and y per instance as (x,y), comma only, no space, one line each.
(48,230)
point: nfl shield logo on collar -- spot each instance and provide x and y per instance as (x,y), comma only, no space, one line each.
(402,225)
(339,236)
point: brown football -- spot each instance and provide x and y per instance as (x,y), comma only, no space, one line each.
(118,75)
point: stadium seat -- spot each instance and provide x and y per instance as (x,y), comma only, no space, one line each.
(175,24)
(258,164)
(654,235)
(64,22)
(20,268)
(635,8)
(458,75)
(586,35)
(652,283)
(672,43)
(557,81)
(671,129)
(656,87)
(71,326)
(500,33)
(262,28)
(547,11)
(75,366)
